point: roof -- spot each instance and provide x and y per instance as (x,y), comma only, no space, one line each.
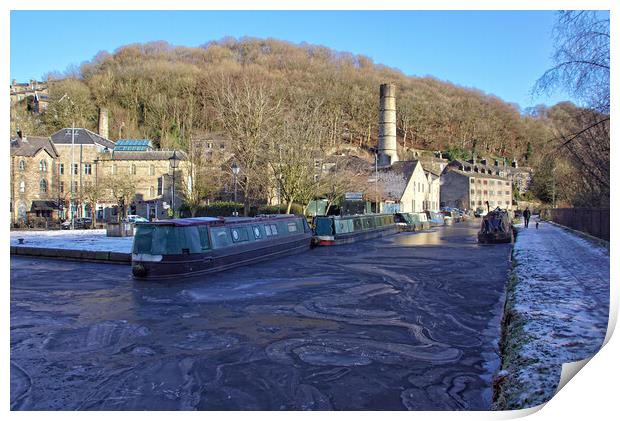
(82,137)
(208,220)
(31,145)
(486,168)
(133,145)
(145,155)
(43,205)
(477,174)
(395,178)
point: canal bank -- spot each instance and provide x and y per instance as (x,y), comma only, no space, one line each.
(556,311)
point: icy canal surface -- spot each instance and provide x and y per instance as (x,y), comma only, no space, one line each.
(410,321)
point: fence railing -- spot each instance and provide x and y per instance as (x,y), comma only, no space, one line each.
(589,220)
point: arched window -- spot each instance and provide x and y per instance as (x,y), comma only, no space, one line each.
(22,165)
(43,165)
(43,186)
(22,186)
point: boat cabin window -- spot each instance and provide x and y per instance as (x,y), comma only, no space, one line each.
(271,229)
(357,224)
(221,237)
(239,234)
(292,227)
(203,233)
(257,232)
(152,239)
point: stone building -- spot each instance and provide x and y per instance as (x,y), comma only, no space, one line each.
(33,187)
(404,187)
(470,184)
(37,90)
(48,175)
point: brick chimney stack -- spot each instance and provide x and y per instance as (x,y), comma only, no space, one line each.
(103,123)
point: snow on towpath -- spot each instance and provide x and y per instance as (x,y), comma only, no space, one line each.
(91,240)
(557,310)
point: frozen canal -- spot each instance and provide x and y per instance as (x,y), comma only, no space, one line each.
(407,322)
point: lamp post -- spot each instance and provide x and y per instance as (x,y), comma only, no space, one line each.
(94,210)
(235,169)
(174,163)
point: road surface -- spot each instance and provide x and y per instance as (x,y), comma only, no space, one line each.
(410,321)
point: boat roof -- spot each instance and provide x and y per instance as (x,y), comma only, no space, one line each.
(209,220)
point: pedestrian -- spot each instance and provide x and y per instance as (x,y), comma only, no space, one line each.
(526,216)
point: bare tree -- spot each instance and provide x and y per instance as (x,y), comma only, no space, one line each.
(293,154)
(248,113)
(122,189)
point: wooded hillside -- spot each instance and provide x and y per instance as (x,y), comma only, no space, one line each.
(166,93)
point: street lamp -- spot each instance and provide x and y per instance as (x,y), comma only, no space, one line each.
(235,169)
(174,164)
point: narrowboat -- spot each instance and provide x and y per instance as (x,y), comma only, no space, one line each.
(334,230)
(196,246)
(435,218)
(495,228)
(408,221)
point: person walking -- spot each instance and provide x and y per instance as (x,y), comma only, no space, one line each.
(526,216)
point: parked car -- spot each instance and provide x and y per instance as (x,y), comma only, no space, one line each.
(79,223)
(480,212)
(136,218)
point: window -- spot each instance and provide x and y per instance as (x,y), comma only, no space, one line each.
(43,186)
(239,234)
(492,182)
(479,181)
(152,170)
(508,202)
(151,191)
(473,191)
(292,227)
(507,192)
(222,146)
(492,192)
(88,169)
(485,182)
(114,169)
(507,183)
(22,165)
(256,231)
(221,237)
(22,186)
(271,229)
(75,169)
(160,186)
(61,187)
(473,203)
(203,233)
(209,145)
(43,165)
(485,192)
(61,169)
(472,181)
(132,169)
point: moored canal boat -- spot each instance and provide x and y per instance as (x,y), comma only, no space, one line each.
(193,246)
(495,228)
(334,230)
(411,221)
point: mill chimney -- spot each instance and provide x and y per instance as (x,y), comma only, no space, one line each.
(103,123)
(387,125)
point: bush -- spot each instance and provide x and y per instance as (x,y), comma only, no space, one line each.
(273,209)
(214,209)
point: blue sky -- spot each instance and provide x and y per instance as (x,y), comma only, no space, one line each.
(499,52)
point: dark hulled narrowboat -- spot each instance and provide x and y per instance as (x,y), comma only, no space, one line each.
(194,246)
(333,230)
(495,228)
